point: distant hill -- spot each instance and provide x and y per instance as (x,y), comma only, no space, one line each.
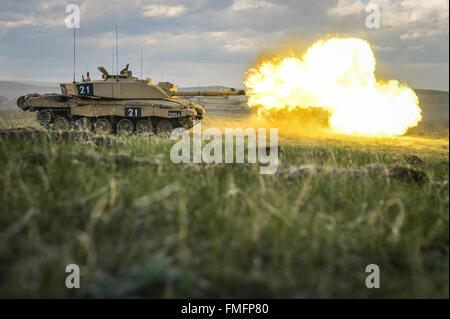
(432,96)
(434,106)
(12,90)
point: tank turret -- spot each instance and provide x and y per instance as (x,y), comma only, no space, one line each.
(125,86)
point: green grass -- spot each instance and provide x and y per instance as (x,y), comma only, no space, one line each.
(165,230)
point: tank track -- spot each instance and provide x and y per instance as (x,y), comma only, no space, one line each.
(60,119)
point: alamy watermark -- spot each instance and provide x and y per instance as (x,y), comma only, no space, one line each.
(230,148)
(73,18)
(73,279)
(373,17)
(373,279)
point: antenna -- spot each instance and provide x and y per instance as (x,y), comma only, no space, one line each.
(74,53)
(142,62)
(112,63)
(117,53)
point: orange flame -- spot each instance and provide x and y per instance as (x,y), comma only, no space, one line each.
(336,75)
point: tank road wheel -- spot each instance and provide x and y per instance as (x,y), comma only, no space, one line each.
(186,122)
(102,126)
(144,127)
(62,124)
(44,117)
(84,124)
(125,127)
(164,128)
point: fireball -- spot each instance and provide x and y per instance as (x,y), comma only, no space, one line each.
(337,75)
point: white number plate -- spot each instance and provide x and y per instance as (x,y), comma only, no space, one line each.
(174,113)
(133,112)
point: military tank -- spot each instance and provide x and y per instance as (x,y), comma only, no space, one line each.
(120,104)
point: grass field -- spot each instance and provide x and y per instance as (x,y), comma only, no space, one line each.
(140,226)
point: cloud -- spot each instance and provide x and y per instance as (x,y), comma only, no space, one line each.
(418,35)
(15,24)
(415,47)
(384,48)
(164,11)
(36,15)
(35,21)
(347,7)
(194,43)
(249,4)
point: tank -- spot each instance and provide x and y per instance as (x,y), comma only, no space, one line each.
(120,104)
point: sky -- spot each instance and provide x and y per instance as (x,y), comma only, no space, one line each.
(200,42)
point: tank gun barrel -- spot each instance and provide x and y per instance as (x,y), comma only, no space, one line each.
(229,92)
